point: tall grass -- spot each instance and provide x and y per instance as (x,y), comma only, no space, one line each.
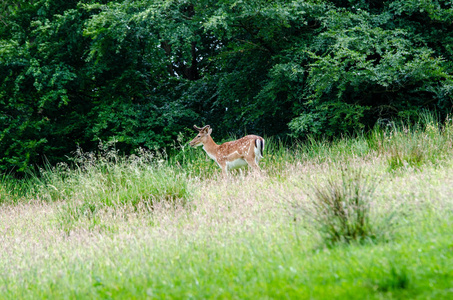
(113,179)
(12,190)
(107,181)
(413,146)
(170,226)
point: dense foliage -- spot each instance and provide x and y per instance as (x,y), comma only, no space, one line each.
(140,72)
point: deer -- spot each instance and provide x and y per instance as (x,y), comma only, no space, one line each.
(230,155)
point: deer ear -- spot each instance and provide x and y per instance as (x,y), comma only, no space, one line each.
(205,129)
(209,131)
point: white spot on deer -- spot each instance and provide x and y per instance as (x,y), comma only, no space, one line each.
(230,155)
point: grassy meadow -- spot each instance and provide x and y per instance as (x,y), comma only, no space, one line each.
(362,217)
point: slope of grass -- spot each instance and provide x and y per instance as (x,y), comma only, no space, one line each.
(155,227)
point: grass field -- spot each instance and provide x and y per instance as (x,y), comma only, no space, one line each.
(364,217)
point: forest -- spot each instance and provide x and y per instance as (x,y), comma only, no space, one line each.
(141,73)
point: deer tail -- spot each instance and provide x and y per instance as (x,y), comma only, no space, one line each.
(259,144)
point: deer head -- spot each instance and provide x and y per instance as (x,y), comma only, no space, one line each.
(202,136)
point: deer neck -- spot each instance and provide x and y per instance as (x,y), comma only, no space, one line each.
(210,147)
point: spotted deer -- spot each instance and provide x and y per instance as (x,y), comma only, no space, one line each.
(230,155)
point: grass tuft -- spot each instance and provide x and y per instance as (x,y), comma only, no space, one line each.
(398,279)
(341,208)
(393,279)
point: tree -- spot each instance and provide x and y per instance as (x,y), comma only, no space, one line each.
(140,72)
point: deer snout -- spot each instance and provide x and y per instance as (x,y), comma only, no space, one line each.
(194,143)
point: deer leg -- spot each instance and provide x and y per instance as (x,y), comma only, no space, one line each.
(252,163)
(224,167)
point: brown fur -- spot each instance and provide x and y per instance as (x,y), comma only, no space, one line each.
(243,148)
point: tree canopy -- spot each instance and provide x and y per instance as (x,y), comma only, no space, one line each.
(76,72)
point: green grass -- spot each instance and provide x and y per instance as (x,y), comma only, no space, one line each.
(152,226)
